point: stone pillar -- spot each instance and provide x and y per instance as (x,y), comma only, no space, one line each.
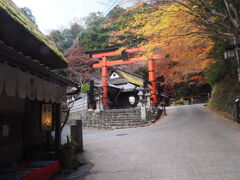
(142,101)
(99,105)
(143,111)
(148,97)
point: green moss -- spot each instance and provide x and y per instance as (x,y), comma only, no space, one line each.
(17,15)
(224,94)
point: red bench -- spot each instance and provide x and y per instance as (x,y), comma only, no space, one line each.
(40,173)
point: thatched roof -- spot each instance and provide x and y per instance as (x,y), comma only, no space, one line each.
(131,78)
(17,31)
(126,77)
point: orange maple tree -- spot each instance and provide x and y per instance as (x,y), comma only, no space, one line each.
(171,31)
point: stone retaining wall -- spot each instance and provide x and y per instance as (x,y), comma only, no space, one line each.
(115,118)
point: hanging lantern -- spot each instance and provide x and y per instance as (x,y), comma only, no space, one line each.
(132,100)
(229,52)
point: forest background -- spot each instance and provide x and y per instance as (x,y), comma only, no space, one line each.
(192,35)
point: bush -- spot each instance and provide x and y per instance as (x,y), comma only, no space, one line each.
(217,72)
(179,102)
(85,88)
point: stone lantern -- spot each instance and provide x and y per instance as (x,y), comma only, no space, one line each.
(142,103)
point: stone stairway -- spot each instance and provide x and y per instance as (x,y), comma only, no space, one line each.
(123,118)
(114,118)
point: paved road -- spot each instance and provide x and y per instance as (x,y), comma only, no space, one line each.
(191,143)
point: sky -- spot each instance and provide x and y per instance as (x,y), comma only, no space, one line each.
(54,14)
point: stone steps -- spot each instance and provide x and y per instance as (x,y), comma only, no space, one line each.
(123,119)
(114,119)
(129,126)
(123,115)
(126,124)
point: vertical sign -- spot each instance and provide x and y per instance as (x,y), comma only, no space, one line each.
(5,130)
(46,118)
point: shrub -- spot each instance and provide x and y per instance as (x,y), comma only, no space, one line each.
(217,72)
(85,87)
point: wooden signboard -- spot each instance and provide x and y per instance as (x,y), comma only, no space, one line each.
(46,117)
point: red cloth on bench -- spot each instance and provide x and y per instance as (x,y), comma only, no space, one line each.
(44,172)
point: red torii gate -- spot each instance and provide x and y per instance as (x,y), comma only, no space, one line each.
(105,63)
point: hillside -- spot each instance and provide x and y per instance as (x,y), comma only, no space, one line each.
(224,94)
(193,47)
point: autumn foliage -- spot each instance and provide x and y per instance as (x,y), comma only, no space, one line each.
(80,65)
(171,31)
(164,28)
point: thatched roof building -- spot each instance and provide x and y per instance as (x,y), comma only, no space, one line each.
(31,92)
(17,31)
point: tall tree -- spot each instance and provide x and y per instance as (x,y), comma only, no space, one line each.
(30,16)
(63,39)
(99,28)
(57,38)
(214,17)
(95,36)
(169,30)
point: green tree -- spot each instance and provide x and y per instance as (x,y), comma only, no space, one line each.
(103,32)
(93,19)
(29,15)
(96,34)
(57,38)
(94,38)
(63,39)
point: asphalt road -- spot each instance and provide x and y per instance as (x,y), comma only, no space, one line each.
(190,143)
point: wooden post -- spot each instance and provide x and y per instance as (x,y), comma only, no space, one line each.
(237,110)
(105,81)
(57,123)
(152,80)
(77,136)
(91,95)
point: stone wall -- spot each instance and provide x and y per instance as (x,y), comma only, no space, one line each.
(115,118)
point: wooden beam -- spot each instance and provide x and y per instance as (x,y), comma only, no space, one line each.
(157,56)
(131,60)
(114,53)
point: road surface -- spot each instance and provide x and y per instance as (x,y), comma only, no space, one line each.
(190,143)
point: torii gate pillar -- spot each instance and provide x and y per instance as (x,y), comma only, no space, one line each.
(105,81)
(152,79)
(104,54)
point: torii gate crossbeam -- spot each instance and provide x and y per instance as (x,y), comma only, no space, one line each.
(105,63)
